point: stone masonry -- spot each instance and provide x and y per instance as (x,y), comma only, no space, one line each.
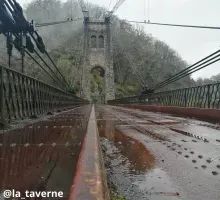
(98,53)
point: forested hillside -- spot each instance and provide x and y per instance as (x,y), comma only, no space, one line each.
(154,59)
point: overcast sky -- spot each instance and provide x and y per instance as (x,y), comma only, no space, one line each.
(191,44)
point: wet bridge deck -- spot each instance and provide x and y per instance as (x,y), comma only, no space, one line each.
(147,155)
(159,156)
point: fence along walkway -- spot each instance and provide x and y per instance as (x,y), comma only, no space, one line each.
(206,96)
(22,96)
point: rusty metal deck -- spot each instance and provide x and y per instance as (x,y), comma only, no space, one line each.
(176,162)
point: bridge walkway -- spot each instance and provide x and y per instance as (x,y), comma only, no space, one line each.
(141,154)
(160,156)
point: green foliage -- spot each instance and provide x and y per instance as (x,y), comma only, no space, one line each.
(119,198)
(154,60)
(126,90)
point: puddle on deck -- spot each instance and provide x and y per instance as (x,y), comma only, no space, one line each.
(131,168)
(44,154)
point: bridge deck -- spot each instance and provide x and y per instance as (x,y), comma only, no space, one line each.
(147,155)
(160,156)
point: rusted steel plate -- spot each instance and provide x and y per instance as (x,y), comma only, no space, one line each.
(27,152)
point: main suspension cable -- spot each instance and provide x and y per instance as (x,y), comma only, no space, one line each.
(82,6)
(117,5)
(110,1)
(177,25)
(59,22)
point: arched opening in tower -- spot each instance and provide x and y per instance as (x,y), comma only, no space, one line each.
(98,84)
(93,42)
(101,41)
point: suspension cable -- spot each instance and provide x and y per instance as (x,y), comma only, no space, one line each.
(58,22)
(117,5)
(42,68)
(131,63)
(118,67)
(143,60)
(44,51)
(148,8)
(82,6)
(49,68)
(71,9)
(17,14)
(79,55)
(190,72)
(56,67)
(177,25)
(57,78)
(190,68)
(110,1)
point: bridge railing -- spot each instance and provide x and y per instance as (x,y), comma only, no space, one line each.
(22,97)
(206,96)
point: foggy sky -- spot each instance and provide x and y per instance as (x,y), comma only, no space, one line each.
(191,44)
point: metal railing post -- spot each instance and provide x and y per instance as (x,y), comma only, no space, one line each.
(208,95)
(185,98)
(2,98)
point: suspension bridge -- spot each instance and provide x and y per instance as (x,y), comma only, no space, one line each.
(53,140)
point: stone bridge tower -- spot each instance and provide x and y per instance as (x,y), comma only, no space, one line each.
(98,53)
